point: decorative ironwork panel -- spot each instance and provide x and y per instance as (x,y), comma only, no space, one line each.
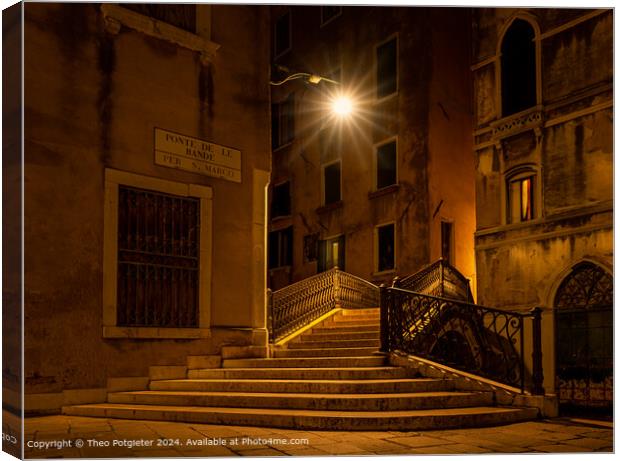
(298,304)
(357,293)
(480,340)
(158,259)
(584,338)
(439,279)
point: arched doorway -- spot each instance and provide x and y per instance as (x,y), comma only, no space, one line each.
(584,340)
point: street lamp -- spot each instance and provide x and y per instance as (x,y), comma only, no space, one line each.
(341,105)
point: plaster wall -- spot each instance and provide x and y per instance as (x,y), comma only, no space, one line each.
(92,102)
(426,157)
(521,265)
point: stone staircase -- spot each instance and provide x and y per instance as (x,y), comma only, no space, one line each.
(329,377)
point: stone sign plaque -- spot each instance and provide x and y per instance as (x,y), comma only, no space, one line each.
(175,150)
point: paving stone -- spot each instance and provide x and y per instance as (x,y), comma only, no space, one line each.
(341,448)
(559,448)
(588,444)
(261,452)
(304,451)
(599,434)
(418,441)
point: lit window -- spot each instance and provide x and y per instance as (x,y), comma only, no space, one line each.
(281,248)
(329,12)
(387,68)
(282,34)
(281,200)
(521,198)
(385,247)
(331,253)
(518,61)
(331,183)
(386,165)
(283,122)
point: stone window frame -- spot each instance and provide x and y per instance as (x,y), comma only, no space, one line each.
(375,159)
(379,99)
(324,21)
(116,16)
(532,20)
(517,173)
(376,271)
(115,178)
(324,166)
(288,13)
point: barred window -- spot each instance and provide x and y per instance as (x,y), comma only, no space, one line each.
(158,259)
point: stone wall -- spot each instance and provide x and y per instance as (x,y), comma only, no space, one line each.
(569,148)
(429,116)
(93,98)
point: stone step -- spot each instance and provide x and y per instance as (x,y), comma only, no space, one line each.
(334,336)
(354,318)
(306,362)
(331,402)
(332,328)
(329,373)
(320,386)
(333,352)
(368,310)
(329,344)
(333,323)
(406,420)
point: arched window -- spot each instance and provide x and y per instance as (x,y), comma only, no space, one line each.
(518,68)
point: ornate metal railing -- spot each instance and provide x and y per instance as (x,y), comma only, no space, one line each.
(355,292)
(439,279)
(480,340)
(298,304)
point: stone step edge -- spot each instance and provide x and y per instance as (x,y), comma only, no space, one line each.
(306,395)
(306,419)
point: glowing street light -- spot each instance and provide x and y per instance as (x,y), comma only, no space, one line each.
(342,106)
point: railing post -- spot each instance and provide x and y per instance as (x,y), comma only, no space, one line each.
(383,309)
(537,366)
(270,314)
(441,277)
(338,301)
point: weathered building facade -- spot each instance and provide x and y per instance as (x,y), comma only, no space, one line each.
(389,188)
(544,184)
(146,167)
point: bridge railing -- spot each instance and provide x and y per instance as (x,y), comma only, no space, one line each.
(296,305)
(476,339)
(439,279)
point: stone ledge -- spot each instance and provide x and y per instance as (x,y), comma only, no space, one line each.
(547,405)
(167,372)
(116,16)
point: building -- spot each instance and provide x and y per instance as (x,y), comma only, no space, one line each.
(544,184)
(391,188)
(146,144)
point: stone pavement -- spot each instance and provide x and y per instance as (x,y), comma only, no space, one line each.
(102,438)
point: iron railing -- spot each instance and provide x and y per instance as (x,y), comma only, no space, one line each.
(480,340)
(439,279)
(298,304)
